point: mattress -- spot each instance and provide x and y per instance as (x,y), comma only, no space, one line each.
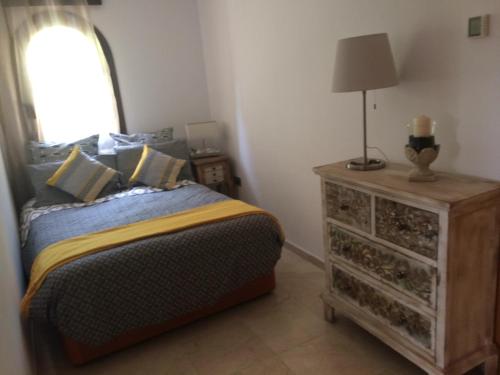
(100,296)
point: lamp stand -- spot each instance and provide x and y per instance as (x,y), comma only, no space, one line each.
(363,163)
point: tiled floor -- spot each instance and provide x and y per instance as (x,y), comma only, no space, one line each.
(282,333)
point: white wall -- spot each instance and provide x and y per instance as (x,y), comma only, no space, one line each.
(269,70)
(157,49)
(14,354)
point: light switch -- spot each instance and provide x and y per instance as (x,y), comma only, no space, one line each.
(479,27)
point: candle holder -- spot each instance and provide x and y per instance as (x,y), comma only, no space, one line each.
(422,159)
(421,149)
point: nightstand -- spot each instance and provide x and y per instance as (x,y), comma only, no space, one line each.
(215,172)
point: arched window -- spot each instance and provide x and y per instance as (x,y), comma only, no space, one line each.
(68,81)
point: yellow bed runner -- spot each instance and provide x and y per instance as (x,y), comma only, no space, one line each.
(60,253)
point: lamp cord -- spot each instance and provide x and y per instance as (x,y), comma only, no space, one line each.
(379,150)
(373,147)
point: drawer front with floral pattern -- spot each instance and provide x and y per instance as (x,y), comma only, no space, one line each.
(386,309)
(409,227)
(413,277)
(348,206)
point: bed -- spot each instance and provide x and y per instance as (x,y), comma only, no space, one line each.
(106,301)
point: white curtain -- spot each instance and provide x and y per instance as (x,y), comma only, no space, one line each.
(61,89)
(64,77)
(13,130)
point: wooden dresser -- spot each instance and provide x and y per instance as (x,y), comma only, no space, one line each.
(415,264)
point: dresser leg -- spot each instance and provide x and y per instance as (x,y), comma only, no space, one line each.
(491,365)
(329,312)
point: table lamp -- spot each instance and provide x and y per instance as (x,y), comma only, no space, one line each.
(203,139)
(364,63)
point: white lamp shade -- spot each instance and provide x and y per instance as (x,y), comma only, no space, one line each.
(364,63)
(203,135)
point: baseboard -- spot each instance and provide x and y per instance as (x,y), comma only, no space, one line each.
(305,254)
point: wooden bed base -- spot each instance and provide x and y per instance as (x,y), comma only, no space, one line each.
(79,353)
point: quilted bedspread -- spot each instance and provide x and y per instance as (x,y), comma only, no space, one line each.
(103,295)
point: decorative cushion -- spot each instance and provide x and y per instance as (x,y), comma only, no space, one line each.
(160,136)
(46,195)
(157,169)
(127,158)
(109,160)
(49,152)
(81,176)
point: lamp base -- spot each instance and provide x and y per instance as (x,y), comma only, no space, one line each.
(370,165)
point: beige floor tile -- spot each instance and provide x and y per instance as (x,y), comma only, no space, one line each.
(292,263)
(224,345)
(269,366)
(320,357)
(233,359)
(262,305)
(304,289)
(286,326)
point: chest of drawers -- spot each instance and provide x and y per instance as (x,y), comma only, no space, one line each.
(415,264)
(215,172)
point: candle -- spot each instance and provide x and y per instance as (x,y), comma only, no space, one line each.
(422,126)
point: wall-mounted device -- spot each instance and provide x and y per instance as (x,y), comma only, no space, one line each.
(204,139)
(479,27)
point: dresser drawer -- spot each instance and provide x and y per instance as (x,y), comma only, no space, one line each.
(214,180)
(408,275)
(409,323)
(213,174)
(214,169)
(348,206)
(216,174)
(409,227)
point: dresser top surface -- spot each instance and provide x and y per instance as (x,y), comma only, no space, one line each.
(448,190)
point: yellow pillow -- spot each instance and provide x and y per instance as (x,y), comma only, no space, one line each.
(157,169)
(81,176)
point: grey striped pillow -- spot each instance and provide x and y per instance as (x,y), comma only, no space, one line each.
(48,152)
(157,169)
(81,176)
(159,136)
